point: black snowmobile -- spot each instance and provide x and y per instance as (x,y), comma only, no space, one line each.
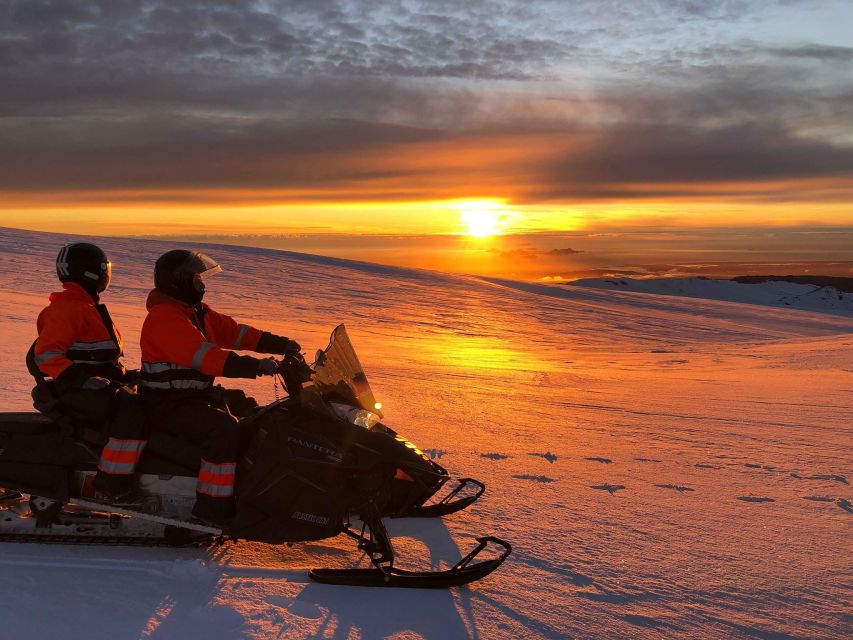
(318,463)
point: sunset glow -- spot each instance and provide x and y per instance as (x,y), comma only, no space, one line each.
(496,140)
(483,218)
(481,223)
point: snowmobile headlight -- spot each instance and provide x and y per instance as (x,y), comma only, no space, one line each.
(360,417)
(365,418)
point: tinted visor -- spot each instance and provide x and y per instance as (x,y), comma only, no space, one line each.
(106,275)
(200,266)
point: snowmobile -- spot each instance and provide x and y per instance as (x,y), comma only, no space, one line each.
(316,464)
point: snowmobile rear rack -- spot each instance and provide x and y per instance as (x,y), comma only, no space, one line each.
(462,572)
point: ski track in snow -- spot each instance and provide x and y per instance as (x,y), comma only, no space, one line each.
(721,510)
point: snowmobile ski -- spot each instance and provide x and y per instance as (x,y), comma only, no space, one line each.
(463,572)
(449,503)
(375,542)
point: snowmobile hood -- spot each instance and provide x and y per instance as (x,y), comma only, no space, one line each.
(155,297)
(71,291)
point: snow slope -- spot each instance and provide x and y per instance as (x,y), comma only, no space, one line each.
(806,297)
(665,467)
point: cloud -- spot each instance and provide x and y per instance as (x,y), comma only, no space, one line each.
(815,51)
(642,161)
(532,252)
(338,99)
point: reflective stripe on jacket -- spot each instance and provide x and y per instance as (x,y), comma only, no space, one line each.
(73,329)
(178,352)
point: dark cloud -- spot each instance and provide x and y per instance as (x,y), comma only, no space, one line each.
(815,51)
(659,160)
(268,41)
(399,99)
(532,252)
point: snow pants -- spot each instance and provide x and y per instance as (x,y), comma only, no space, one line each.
(121,413)
(208,419)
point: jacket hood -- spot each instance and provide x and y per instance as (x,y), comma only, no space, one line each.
(72,291)
(156,297)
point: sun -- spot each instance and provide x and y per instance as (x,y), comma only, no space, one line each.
(483,218)
(482,223)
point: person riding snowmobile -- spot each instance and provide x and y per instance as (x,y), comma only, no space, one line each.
(79,347)
(185,345)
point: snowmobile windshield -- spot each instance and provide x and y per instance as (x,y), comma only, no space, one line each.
(340,374)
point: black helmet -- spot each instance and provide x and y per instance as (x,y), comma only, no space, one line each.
(180,274)
(85,264)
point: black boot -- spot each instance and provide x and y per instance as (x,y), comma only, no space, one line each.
(116,489)
(218,512)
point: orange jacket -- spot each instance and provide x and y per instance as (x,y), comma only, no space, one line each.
(181,350)
(74,329)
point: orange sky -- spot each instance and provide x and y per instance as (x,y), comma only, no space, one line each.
(167,118)
(436,217)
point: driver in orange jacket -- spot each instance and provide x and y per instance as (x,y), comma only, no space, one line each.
(185,346)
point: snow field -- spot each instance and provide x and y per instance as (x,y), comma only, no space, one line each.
(664,466)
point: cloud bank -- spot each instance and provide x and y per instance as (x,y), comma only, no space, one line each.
(341,100)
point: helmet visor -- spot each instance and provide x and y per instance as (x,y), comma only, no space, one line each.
(106,275)
(200,267)
(198,264)
(199,278)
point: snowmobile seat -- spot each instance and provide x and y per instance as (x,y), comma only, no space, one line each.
(44,395)
(45,398)
(26,423)
(166,454)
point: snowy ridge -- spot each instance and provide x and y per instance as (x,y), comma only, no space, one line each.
(664,466)
(805,297)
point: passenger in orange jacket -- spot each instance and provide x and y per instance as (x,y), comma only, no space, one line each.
(185,346)
(79,349)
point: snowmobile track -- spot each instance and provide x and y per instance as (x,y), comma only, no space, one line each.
(115,541)
(144,515)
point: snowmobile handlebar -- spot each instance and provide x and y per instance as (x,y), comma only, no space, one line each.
(294,372)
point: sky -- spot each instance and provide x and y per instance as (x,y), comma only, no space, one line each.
(420,118)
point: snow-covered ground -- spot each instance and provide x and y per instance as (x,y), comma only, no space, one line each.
(664,466)
(805,297)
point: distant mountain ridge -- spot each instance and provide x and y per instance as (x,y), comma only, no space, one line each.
(844,285)
(822,294)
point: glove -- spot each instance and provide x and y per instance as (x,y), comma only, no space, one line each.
(267,367)
(291,347)
(96,383)
(271,343)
